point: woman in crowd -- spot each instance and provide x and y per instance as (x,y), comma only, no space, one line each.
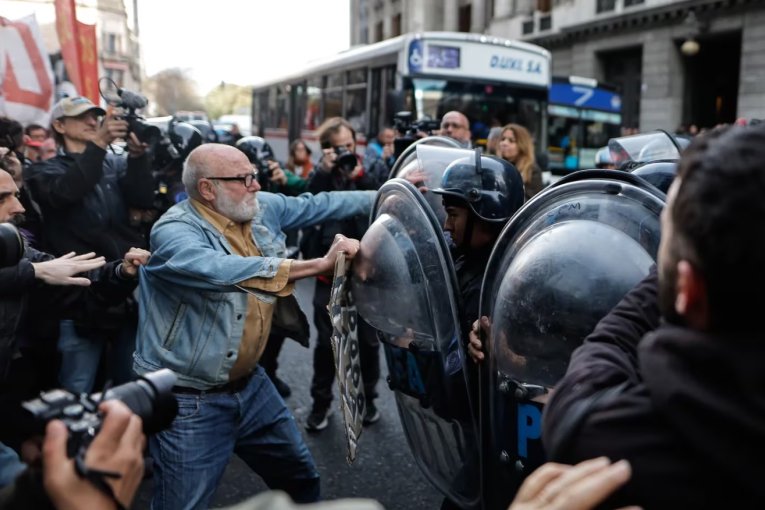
(299,161)
(516,146)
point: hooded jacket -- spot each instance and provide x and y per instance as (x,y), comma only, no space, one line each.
(686,408)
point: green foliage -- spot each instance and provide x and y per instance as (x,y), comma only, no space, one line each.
(171,90)
(228,99)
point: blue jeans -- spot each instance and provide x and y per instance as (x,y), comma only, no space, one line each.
(191,456)
(10,465)
(80,357)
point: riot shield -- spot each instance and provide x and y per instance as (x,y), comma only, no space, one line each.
(628,152)
(404,286)
(410,153)
(559,266)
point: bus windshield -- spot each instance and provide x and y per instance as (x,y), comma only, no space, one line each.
(486,105)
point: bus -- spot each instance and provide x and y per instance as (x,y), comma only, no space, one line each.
(491,80)
(582,116)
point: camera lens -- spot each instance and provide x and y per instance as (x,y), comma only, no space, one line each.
(151,398)
(346,160)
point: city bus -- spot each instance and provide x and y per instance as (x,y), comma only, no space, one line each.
(582,116)
(491,80)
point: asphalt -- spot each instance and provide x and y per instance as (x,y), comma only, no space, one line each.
(384,469)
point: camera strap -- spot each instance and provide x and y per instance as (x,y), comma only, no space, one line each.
(97,477)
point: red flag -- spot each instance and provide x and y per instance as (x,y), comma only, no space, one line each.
(66,28)
(86,37)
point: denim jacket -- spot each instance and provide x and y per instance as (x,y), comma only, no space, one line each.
(191,312)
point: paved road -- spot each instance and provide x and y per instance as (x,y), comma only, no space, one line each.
(384,469)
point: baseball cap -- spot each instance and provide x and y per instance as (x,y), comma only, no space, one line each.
(74,106)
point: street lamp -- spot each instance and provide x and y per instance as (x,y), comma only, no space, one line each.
(690,46)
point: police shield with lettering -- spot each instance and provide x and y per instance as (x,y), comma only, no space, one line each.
(560,264)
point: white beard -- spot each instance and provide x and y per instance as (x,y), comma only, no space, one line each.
(240,212)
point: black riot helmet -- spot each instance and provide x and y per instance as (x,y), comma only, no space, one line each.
(184,137)
(180,140)
(256,149)
(491,187)
(659,173)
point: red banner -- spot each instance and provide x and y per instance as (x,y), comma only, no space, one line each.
(86,38)
(26,78)
(66,28)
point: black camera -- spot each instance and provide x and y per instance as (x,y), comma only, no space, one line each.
(150,397)
(11,245)
(407,130)
(346,160)
(132,101)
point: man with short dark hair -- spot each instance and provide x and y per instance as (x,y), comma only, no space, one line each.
(91,201)
(672,379)
(336,137)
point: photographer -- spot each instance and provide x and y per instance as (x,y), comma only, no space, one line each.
(336,172)
(118,448)
(93,201)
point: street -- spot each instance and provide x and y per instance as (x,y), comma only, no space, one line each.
(384,469)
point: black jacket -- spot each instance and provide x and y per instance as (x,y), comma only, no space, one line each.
(22,298)
(317,240)
(85,199)
(687,409)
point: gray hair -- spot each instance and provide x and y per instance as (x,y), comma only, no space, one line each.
(192,172)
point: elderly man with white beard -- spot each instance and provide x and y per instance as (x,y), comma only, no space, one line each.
(206,302)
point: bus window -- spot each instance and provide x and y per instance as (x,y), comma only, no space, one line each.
(333,96)
(313,105)
(356,100)
(486,105)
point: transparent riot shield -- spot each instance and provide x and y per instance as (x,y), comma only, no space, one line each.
(631,151)
(404,285)
(559,266)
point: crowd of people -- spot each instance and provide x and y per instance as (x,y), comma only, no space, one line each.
(209,276)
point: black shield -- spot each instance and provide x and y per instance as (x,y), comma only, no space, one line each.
(404,284)
(558,267)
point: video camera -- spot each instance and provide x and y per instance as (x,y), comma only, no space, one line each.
(407,130)
(11,245)
(132,101)
(150,397)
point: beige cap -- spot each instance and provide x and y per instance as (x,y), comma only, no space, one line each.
(74,106)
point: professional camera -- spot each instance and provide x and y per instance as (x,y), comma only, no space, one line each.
(11,245)
(407,130)
(346,160)
(150,397)
(131,101)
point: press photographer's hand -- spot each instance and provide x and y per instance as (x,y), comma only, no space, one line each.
(118,448)
(277,174)
(111,128)
(135,148)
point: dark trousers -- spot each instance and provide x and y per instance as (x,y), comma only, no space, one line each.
(323,358)
(270,358)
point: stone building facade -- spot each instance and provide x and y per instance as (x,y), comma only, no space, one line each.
(675,62)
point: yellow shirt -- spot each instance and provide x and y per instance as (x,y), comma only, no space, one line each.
(257,323)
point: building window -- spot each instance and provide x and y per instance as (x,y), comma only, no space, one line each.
(605,5)
(545,22)
(465,18)
(112,43)
(630,3)
(395,25)
(378,31)
(544,5)
(528,27)
(117,75)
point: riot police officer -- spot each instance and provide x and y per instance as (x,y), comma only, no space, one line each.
(271,176)
(181,139)
(479,193)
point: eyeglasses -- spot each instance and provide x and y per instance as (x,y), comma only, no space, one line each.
(447,125)
(247,180)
